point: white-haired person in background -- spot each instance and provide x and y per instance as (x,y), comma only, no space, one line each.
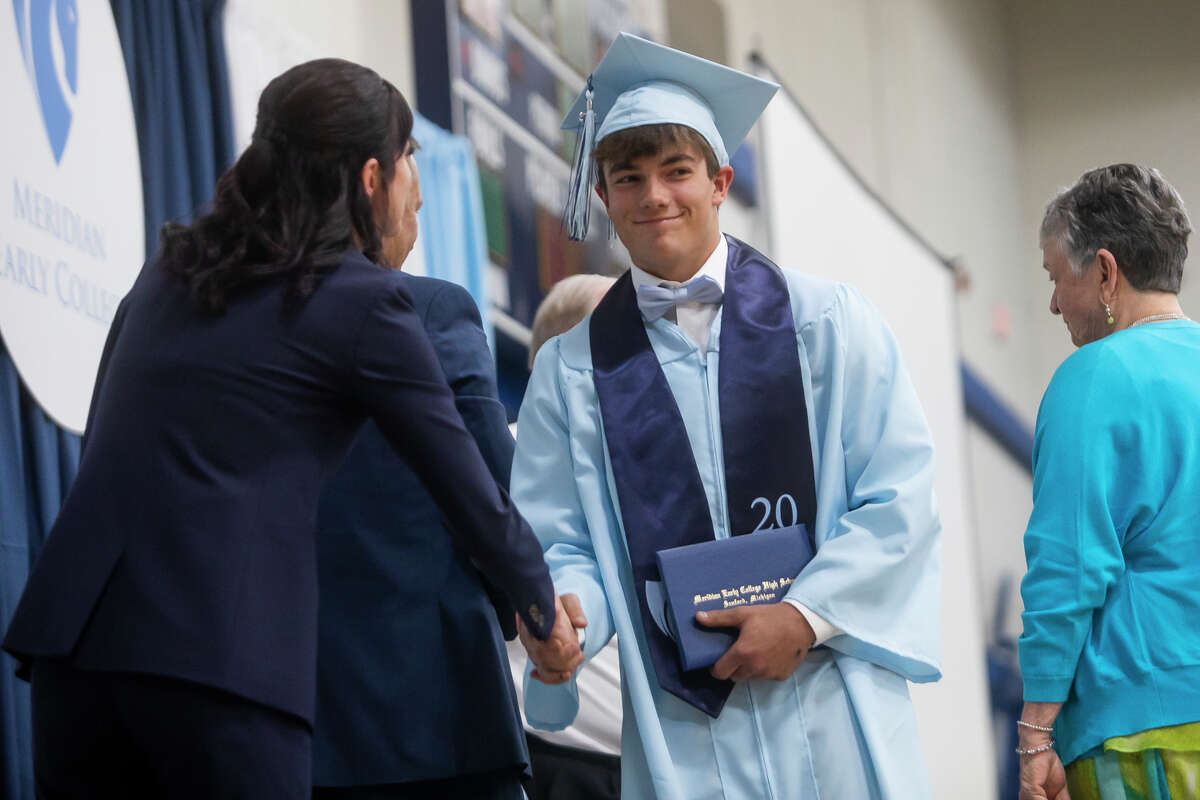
(565,306)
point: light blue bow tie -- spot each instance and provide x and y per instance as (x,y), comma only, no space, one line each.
(655,301)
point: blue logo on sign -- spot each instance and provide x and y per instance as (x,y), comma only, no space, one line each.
(48,30)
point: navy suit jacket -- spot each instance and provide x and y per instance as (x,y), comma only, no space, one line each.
(412,674)
(187,545)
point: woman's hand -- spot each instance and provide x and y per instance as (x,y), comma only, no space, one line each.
(1043,777)
(1042,774)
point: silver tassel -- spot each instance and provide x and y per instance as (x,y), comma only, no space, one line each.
(583,176)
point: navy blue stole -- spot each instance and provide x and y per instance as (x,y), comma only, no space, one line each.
(764,424)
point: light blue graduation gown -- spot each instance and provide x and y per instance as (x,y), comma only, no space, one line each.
(842,726)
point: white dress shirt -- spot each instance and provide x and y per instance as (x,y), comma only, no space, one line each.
(695,320)
(597,725)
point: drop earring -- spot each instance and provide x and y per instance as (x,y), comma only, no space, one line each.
(1108,311)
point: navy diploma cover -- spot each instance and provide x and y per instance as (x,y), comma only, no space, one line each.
(726,573)
(764,425)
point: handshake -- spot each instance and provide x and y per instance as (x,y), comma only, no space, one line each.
(557,657)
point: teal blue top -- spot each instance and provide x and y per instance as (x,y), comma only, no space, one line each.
(1112,592)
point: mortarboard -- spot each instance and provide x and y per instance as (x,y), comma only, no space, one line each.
(639,83)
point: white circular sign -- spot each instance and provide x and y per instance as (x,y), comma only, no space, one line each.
(71,227)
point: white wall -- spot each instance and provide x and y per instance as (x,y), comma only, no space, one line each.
(1103,81)
(920,97)
(1004,508)
(966,116)
(265,37)
(814,205)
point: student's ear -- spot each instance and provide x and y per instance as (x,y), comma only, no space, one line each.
(721,183)
(602,194)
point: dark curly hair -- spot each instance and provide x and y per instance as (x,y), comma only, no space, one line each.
(294,201)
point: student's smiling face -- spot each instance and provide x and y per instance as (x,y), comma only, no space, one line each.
(664,209)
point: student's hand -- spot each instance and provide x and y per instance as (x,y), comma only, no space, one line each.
(556,658)
(772,641)
(1043,777)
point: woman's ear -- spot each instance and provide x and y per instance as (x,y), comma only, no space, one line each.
(1110,274)
(371,179)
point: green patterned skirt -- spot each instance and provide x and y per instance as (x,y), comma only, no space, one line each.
(1158,764)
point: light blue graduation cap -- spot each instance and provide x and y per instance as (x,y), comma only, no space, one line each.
(639,83)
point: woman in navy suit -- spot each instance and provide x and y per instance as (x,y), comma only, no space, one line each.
(170,623)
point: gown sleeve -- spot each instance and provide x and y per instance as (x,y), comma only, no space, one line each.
(877,572)
(547,483)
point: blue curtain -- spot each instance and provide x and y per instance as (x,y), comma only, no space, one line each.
(175,59)
(37,465)
(451,217)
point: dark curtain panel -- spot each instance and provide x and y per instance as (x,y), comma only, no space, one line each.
(175,57)
(37,465)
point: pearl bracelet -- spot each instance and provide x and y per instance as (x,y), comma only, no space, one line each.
(1031,751)
(1031,726)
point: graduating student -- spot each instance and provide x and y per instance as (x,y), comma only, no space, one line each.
(712,394)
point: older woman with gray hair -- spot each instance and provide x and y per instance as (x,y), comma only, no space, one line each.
(1110,653)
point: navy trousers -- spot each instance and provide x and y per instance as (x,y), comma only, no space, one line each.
(119,734)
